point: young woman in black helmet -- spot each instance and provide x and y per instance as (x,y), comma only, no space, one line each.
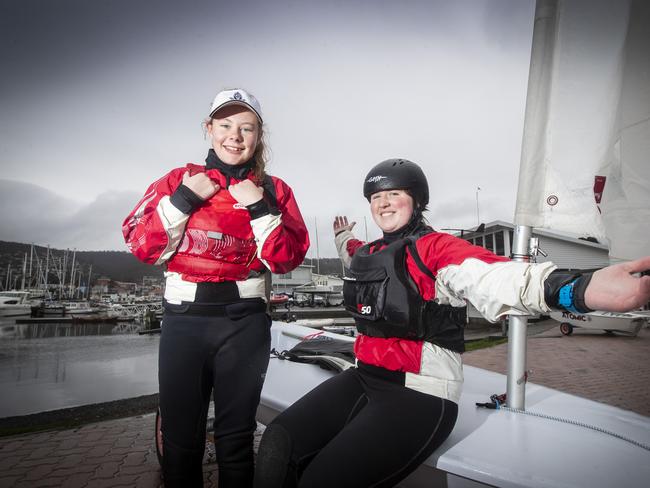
(374,424)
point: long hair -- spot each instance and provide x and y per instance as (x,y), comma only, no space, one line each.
(261,156)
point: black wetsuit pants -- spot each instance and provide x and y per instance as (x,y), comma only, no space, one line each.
(199,354)
(359,429)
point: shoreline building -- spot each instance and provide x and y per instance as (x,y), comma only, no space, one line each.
(565,251)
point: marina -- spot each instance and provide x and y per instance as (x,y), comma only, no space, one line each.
(60,365)
(50,363)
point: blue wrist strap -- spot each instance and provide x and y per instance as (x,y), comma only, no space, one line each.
(565,299)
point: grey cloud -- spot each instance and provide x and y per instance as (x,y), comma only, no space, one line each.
(121,100)
(35,214)
(461,212)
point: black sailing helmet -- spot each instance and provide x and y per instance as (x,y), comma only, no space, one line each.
(398,174)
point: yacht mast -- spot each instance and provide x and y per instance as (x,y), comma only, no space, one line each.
(72,270)
(31,256)
(47,266)
(22,284)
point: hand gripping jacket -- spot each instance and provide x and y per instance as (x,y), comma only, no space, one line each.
(220,240)
(385,302)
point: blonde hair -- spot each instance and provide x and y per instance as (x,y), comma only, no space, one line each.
(261,156)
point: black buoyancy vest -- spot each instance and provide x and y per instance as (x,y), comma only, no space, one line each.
(385,302)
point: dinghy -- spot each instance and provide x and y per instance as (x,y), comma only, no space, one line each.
(560,440)
(625,323)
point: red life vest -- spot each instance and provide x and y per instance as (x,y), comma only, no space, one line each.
(218,243)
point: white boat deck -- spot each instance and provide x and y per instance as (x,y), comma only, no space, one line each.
(497,447)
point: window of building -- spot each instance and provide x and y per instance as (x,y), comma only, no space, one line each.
(489,242)
(499,248)
(286,276)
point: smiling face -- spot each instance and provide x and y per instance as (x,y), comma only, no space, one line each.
(391,209)
(234,132)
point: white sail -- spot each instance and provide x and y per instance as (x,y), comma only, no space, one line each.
(625,201)
(587,122)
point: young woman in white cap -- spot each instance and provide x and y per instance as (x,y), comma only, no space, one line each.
(218,229)
(374,424)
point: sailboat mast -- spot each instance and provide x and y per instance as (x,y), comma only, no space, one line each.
(537,100)
(317,247)
(31,257)
(517,331)
(72,273)
(47,266)
(64,274)
(22,287)
(78,289)
(90,272)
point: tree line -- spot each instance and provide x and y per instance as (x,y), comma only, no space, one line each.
(116,265)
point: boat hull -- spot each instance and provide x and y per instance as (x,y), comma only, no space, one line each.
(627,323)
(15,310)
(498,447)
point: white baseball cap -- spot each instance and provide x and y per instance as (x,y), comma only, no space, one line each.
(236,97)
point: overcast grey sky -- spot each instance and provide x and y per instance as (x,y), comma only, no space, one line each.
(100,98)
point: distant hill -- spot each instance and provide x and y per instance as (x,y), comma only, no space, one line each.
(116,265)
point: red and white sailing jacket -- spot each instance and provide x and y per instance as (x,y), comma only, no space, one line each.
(495,285)
(216,242)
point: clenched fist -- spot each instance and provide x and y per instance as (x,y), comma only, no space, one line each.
(246,192)
(201,185)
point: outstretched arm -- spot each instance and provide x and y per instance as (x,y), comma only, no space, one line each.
(617,289)
(500,288)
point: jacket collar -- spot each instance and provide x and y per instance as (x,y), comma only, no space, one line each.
(414,226)
(238,172)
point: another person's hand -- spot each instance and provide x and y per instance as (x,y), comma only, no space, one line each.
(341,224)
(201,185)
(615,289)
(246,192)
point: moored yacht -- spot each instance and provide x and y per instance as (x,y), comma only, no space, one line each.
(14,303)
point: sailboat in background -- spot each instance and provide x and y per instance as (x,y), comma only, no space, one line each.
(587,116)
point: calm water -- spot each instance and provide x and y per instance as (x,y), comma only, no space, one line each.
(52,366)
